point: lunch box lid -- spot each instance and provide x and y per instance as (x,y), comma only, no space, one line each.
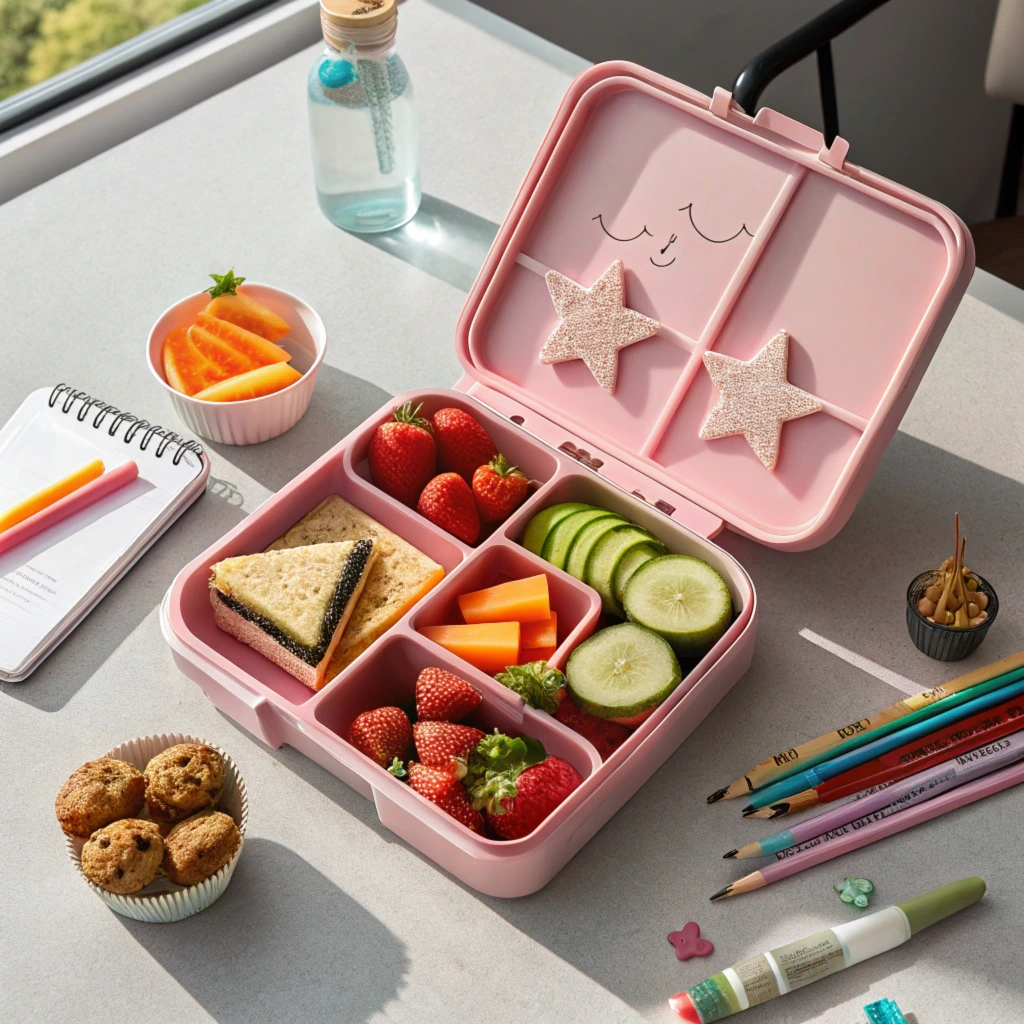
(730,230)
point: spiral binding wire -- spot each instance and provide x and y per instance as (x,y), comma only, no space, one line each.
(117,418)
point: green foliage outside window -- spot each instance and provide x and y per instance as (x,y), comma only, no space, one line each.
(40,38)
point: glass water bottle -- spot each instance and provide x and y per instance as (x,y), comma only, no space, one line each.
(362,123)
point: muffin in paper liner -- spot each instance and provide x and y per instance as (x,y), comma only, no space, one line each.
(162,901)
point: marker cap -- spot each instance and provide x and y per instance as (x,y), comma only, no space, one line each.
(682,1006)
(932,907)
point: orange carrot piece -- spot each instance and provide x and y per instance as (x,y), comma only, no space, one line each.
(524,600)
(528,654)
(186,369)
(490,646)
(540,634)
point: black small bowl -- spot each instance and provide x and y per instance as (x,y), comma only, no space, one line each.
(946,643)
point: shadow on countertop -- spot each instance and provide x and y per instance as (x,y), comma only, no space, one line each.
(280,936)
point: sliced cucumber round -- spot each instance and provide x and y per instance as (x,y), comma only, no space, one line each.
(629,563)
(560,539)
(542,523)
(576,561)
(683,599)
(621,672)
(604,560)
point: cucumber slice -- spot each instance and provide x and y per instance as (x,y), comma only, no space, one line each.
(576,562)
(622,671)
(629,563)
(541,524)
(604,560)
(681,598)
(559,540)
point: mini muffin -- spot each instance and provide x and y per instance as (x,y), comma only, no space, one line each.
(124,857)
(199,847)
(182,780)
(98,793)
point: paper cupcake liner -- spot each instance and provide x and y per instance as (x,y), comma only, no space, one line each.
(162,902)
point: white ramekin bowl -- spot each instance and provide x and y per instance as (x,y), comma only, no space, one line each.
(255,419)
(162,902)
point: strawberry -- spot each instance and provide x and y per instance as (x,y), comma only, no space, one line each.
(462,444)
(439,743)
(517,801)
(441,786)
(606,736)
(382,735)
(444,697)
(499,489)
(448,502)
(403,456)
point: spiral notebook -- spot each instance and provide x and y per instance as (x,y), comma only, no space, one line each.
(53,580)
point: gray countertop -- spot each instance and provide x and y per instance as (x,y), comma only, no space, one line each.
(330,917)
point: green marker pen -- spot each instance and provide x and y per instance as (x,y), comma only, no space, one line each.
(767,975)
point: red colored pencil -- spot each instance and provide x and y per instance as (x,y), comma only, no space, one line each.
(936,747)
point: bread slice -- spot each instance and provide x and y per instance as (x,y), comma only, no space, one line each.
(293,605)
(400,577)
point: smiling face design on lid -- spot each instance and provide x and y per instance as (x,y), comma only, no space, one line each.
(663,257)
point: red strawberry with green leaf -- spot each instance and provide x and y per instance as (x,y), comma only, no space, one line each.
(462,443)
(518,800)
(442,787)
(499,489)
(439,743)
(443,697)
(448,502)
(403,456)
(383,734)
(607,737)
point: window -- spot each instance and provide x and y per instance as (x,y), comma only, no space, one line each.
(53,51)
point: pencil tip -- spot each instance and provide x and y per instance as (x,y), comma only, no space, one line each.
(729,855)
(722,893)
(778,810)
(748,810)
(717,795)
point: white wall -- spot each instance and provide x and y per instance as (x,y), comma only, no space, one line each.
(909,77)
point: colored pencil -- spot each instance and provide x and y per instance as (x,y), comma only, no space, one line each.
(45,497)
(67,506)
(815,776)
(806,755)
(887,800)
(983,727)
(967,794)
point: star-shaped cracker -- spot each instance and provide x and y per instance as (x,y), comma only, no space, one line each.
(755,398)
(595,324)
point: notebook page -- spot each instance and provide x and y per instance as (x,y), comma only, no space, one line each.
(47,578)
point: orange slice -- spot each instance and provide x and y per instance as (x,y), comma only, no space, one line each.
(186,369)
(220,352)
(252,346)
(264,380)
(249,314)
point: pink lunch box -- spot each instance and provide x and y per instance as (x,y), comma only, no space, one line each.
(730,229)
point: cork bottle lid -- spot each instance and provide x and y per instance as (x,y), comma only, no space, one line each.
(358,13)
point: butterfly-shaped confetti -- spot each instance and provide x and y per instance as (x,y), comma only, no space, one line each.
(689,943)
(855,890)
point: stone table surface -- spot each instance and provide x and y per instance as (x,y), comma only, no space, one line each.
(329,917)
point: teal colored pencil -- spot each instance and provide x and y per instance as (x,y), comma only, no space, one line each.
(829,769)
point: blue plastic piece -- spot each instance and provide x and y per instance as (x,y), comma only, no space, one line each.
(336,73)
(885,1011)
